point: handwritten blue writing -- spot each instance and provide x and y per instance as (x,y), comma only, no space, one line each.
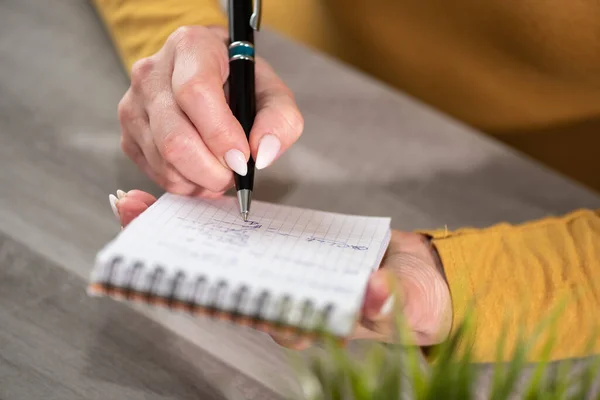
(341,245)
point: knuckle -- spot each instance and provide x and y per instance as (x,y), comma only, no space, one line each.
(185,37)
(219,136)
(125,109)
(173,148)
(196,88)
(125,146)
(171,175)
(131,150)
(132,122)
(141,71)
(294,121)
(191,38)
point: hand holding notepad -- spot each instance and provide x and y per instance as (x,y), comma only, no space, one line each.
(286,268)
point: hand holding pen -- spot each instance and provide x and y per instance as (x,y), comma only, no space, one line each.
(176,123)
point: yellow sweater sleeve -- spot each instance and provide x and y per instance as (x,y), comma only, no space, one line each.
(139,28)
(513,276)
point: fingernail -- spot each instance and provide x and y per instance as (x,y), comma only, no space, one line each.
(113,205)
(387,307)
(267,151)
(236,161)
(120,194)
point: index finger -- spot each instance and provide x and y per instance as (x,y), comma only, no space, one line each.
(199,73)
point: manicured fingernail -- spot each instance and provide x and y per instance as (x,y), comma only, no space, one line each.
(121,194)
(267,151)
(236,161)
(387,307)
(113,205)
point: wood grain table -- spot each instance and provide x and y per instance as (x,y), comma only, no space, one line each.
(366,149)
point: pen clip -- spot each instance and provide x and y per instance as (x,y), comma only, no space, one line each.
(256,15)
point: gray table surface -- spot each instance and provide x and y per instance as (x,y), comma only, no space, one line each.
(366,149)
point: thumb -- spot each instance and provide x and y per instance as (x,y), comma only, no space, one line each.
(278,123)
(380,296)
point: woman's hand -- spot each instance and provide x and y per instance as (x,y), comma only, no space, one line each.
(176,123)
(410,262)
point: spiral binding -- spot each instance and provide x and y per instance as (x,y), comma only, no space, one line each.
(217,291)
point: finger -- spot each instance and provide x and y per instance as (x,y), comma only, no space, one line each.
(134,152)
(379,297)
(159,140)
(175,136)
(278,123)
(207,194)
(135,125)
(142,196)
(130,208)
(167,176)
(131,114)
(180,145)
(199,72)
(134,122)
(129,205)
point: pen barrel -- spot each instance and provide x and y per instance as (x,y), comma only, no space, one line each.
(242,101)
(239,13)
(242,96)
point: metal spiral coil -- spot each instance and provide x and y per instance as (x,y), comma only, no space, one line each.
(216,293)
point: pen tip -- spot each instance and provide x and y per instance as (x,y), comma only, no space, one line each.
(245,216)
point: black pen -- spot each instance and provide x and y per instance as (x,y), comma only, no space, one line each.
(244,19)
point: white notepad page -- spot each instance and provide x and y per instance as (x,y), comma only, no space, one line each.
(323,257)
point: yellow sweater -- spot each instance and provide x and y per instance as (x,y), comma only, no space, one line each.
(525,72)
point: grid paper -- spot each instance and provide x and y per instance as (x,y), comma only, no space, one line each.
(285,251)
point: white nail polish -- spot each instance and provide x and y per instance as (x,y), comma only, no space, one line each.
(120,194)
(267,151)
(388,306)
(236,161)
(113,205)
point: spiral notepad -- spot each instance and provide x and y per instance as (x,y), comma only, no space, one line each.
(286,268)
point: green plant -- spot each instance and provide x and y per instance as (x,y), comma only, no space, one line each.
(399,373)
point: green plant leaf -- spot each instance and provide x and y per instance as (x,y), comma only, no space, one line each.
(499,367)
(590,372)
(443,373)
(466,376)
(390,384)
(557,383)
(407,358)
(535,384)
(506,385)
(409,362)
(319,372)
(341,365)
(452,374)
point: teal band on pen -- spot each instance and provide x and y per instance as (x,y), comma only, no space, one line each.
(241,51)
